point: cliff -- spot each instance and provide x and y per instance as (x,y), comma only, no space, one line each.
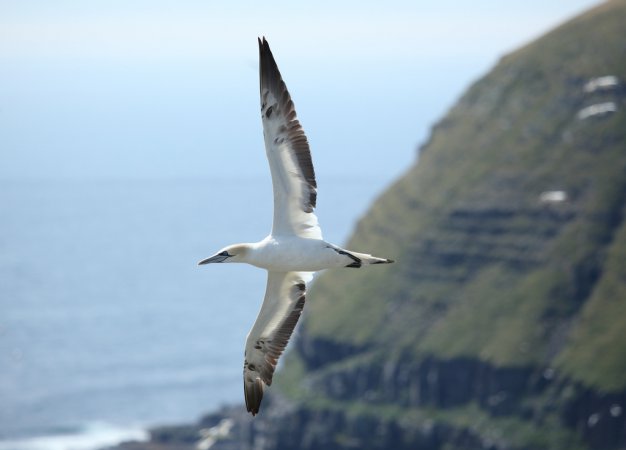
(502,323)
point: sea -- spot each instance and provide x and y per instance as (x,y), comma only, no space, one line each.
(107,324)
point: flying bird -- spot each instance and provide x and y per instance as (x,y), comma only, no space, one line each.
(295,247)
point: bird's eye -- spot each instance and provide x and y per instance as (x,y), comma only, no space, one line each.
(224,253)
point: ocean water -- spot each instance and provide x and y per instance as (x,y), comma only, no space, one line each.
(107,325)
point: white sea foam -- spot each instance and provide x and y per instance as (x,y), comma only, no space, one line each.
(92,437)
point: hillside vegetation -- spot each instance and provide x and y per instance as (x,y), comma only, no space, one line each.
(508,297)
(485,268)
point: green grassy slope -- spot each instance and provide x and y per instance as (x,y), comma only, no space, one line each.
(485,269)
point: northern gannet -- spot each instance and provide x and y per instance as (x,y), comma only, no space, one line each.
(295,248)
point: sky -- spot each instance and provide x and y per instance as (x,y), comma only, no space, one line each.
(169,89)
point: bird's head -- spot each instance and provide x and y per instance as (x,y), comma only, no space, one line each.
(232,253)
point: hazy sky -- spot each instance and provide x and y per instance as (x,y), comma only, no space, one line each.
(149,89)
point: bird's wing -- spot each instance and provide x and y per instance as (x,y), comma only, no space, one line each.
(281,309)
(287,148)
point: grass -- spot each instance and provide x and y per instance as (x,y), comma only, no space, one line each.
(596,353)
(507,432)
(483,269)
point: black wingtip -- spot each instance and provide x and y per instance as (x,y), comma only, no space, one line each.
(268,71)
(263,44)
(253,395)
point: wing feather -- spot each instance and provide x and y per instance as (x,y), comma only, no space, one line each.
(287,149)
(281,309)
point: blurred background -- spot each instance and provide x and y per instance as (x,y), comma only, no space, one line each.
(131,147)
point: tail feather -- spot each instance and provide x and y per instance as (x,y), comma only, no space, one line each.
(366,259)
(357,260)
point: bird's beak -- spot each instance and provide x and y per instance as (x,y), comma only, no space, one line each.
(214,259)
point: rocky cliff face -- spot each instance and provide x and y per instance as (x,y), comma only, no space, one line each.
(502,324)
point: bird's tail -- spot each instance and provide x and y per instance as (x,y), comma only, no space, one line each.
(364,259)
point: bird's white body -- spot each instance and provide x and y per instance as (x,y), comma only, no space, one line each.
(283,254)
(295,248)
(293,253)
